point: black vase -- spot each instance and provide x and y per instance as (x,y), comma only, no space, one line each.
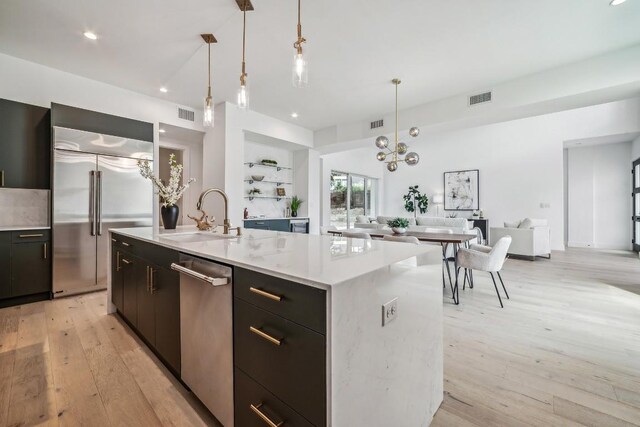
(170,216)
(294,214)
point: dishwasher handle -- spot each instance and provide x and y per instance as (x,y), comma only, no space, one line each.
(215,281)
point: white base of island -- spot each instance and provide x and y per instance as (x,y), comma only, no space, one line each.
(391,375)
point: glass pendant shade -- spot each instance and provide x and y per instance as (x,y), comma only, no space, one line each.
(414,131)
(412,159)
(381,156)
(402,148)
(392,166)
(300,72)
(382,142)
(208,112)
(243,97)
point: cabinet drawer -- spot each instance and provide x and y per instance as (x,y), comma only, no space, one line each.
(155,254)
(5,237)
(302,304)
(294,370)
(30,236)
(253,402)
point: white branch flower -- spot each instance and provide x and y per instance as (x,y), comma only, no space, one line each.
(172,192)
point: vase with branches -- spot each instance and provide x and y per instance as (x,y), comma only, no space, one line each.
(415,201)
(169,193)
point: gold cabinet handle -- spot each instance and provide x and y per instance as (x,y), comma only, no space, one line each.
(25,236)
(118,268)
(265,294)
(266,336)
(147,278)
(126,261)
(152,288)
(44,251)
(114,240)
(263,416)
(125,244)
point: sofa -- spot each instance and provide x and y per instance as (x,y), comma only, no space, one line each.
(421,223)
(531,237)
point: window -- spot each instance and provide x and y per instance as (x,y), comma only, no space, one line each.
(351,195)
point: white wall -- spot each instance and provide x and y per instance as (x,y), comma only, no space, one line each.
(361,162)
(520,162)
(635,149)
(599,197)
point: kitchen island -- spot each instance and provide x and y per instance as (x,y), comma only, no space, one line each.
(326,330)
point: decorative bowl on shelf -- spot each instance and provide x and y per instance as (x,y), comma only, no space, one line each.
(399,230)
(257,177)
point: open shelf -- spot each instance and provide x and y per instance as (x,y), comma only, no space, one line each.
(277,183)
(260,165)
(278,198)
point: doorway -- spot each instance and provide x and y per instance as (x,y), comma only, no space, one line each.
(636,205)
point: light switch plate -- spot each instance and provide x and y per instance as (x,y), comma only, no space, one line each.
(389,311)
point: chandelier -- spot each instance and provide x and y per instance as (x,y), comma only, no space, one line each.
(400,148)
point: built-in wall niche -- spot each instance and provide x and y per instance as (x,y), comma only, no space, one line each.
(268,179)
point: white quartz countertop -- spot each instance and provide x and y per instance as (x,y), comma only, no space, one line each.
(23,227)
(320,261)
(272,218)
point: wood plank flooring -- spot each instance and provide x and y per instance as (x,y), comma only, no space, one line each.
(565,351)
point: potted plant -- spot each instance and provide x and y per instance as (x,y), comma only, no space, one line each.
(295,205)
(170,193)
(398,225)
(414,200)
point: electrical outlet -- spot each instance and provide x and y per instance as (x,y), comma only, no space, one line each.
(389,311)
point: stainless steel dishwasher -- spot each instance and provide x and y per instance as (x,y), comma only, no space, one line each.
(206,328)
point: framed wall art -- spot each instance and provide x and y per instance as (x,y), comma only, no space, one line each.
(462,190)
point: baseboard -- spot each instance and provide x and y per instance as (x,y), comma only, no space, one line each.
(580,245)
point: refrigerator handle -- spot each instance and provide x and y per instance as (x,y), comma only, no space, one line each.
(92,202)
(99,202)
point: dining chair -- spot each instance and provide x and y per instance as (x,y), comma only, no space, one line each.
(326,228)
(353,235)
(486,258)
(405,239)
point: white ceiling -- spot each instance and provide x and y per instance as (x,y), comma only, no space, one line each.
(439,48)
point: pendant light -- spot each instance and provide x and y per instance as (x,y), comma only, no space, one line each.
(300,72)
(400,148)
(243,91)
(208,120)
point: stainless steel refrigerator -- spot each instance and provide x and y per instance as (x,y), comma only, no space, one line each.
(96,186)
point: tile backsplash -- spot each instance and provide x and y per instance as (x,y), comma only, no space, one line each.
(22,207)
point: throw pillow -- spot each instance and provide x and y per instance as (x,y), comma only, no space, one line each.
(514,224)
(526,223)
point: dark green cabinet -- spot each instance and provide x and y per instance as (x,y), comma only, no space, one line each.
(5,265)
(30,268)
(147,294)
(25,266)
(25,144)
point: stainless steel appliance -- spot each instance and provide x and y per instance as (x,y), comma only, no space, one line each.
(299,225)
(96,186)
(206,333)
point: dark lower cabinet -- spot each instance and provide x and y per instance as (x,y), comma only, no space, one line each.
(255,406)
(5,265)
(147,295)
(25,266)
(30,268)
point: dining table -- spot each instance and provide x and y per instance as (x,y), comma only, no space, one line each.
(457,240)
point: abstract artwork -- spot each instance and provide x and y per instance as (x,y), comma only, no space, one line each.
(461,190)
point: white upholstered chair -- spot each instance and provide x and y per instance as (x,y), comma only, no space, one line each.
(326,228)
(352,235)
(405,239)
(485,258)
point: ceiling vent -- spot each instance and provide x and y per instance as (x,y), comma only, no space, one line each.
(377,124)
(480,98)
(185,114)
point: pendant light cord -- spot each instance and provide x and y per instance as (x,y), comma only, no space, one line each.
(209,74)
(395,154)
(244,35)
(298,44)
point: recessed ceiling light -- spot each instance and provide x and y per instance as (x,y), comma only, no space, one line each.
(616,2)
(163,89)
(294,115)
(161,131)
(90,35)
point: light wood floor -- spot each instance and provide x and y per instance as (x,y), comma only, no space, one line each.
(565,351)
